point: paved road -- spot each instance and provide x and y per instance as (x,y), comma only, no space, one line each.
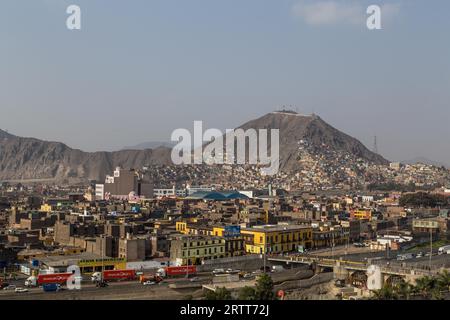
(116,291)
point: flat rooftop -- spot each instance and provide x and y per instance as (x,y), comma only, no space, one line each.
(67,260)
(277,227)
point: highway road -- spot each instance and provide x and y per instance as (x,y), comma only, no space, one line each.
(129,290)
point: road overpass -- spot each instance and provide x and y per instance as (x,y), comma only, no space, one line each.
(355,272)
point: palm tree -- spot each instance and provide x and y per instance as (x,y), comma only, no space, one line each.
(404,290)
(443,281)
(385,293)
(425,285)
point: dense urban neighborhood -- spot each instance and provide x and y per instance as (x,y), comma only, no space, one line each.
(126,237)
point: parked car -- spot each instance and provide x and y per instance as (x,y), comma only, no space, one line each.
(10,287)
(21,290)
(194,279)
(229,270)
(248,276)
(218,271)
(4,285)
(419,255)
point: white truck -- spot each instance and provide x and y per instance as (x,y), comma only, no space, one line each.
(277,268)
(161,272)
(31,281)
(444,250)
(96,276)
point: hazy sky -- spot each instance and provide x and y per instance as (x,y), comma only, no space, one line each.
(139,69)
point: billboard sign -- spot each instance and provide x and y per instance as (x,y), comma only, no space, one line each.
(232,231)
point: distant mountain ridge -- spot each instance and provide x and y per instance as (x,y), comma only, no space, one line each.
(150,145)
(30,158)
(426,161)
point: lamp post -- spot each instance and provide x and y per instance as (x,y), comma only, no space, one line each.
(187,262)
(431,245)
(332,244)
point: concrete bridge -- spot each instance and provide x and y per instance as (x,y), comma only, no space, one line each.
(356,272)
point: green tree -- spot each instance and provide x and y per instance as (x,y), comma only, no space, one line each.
(385,293)
(403,290)
(247,293)
(443,281)
(264,288)
(220,294)
(424,286)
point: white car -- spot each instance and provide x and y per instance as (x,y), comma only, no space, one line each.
(232,271)
(10,287)
(194,279)
(149,283)
(21,290)
(218,271)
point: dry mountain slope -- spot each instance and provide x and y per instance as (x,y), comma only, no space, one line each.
(29,158)
(319,135)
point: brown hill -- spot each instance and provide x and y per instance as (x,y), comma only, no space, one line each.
(30,158)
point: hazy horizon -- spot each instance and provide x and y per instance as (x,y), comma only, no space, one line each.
(135,72)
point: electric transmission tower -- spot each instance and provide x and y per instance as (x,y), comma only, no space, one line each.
(375,145)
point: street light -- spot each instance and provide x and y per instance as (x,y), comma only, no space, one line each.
(431,245)
(332,244)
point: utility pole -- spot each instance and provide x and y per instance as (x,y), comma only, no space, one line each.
(332,244)
(103,259)
(187,262)
(264,257)
(431,245)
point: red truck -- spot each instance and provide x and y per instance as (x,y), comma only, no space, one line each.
(56,278)
(109,275)
(178,271)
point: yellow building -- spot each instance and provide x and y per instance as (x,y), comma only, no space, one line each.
(181,226)
(46,208)
(193,228)
(274,238)
(93,265)
(361,214)
(195,249)
(87,262)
